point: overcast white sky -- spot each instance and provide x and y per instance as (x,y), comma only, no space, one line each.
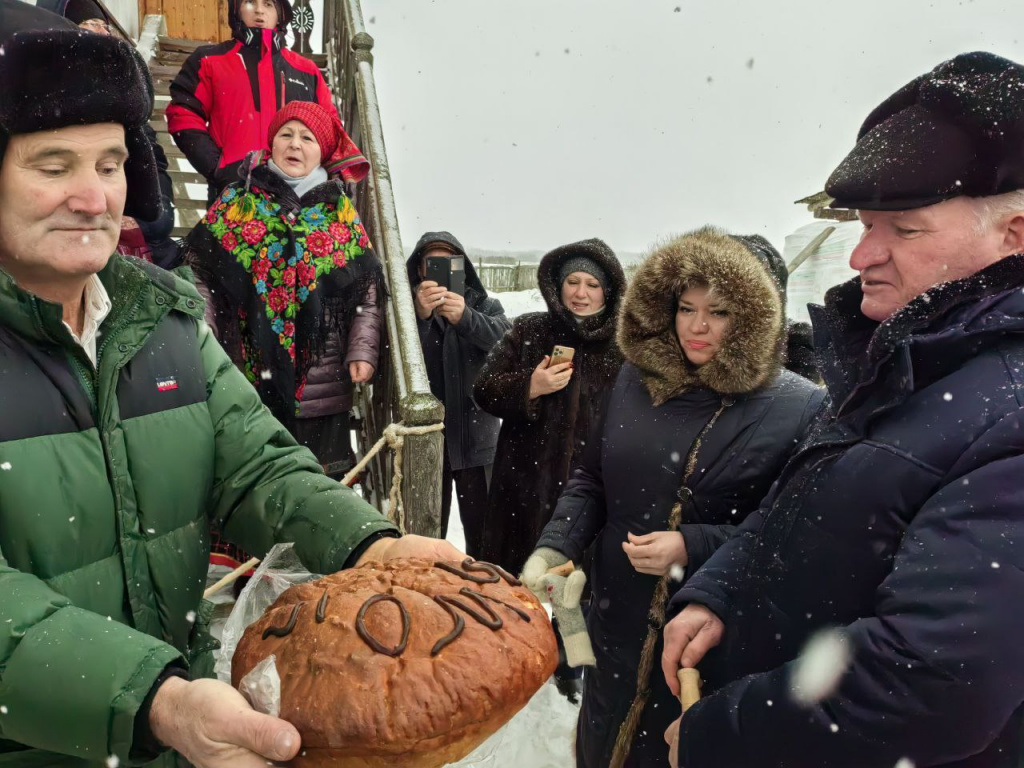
(532,123)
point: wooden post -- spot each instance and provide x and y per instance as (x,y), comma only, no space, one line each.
(809,249)
(422,460)
(350,59)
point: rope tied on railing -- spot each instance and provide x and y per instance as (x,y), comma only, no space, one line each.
(394,437)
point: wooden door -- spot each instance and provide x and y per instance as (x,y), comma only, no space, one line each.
(191,19)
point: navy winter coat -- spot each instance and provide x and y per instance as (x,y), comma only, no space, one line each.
(633,465)
(901,520)
(454,355)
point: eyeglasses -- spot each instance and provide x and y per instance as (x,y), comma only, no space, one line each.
(96,24)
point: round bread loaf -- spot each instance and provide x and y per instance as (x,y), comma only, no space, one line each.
(409,662)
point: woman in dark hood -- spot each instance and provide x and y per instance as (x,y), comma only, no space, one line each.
(700,420)
(547,410)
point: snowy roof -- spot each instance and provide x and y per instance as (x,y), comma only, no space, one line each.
(818,204)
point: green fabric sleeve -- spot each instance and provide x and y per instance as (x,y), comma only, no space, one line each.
(71,680)
(267,488)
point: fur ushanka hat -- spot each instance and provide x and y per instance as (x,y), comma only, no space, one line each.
(958,130)
(63,77)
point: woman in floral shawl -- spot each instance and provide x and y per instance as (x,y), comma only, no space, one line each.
(295,290)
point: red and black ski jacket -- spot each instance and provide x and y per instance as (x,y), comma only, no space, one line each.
(226,94)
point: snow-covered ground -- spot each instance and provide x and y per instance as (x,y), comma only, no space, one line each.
(519,302)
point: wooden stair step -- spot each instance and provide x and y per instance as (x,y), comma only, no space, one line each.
(183,202)
(163,72)
(171,58)
(189,217)
(187,177)
(178,44)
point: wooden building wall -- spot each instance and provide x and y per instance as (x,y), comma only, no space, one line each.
(191,19)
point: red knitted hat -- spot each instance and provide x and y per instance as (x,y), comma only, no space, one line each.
(337,152)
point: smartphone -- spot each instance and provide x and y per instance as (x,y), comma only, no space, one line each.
(561,354)
(448,271)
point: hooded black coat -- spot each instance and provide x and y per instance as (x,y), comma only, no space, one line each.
(454,356)
(900,520)
(633,469)
(540,439)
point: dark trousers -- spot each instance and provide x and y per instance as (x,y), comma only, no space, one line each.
(330,440)
(471,491)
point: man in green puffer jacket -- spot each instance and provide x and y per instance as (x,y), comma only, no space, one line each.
(125,431)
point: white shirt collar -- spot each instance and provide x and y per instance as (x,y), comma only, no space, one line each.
(97,307)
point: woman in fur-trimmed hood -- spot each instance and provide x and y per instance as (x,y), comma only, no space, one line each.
(700,421)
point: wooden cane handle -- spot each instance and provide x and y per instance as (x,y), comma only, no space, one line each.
(232,577)
(689,687)
(562,570)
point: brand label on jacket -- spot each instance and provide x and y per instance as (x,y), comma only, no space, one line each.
(166,384)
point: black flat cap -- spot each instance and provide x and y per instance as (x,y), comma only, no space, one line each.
(958,130)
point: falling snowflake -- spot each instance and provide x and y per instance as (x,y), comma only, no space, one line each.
(3,709)
(6,466)
(190,617)
(676,572)
(904,762)
(948,396)
(71,519)
(995,564)
(820,666)
(266,374)
(113,761)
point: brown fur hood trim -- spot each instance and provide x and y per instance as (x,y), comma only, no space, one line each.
(754,347)
(598,327)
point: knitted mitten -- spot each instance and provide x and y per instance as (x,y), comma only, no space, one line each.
(564,593)
(541,561)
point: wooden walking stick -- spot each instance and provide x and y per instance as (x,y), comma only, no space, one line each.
(689,694)
(689,687)
(232,577)
(563,570)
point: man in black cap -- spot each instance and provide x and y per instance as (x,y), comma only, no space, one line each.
(898,523)
(125,432)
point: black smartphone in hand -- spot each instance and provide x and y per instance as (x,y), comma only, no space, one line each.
(447,271)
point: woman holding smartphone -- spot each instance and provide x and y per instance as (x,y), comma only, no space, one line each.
(547,405)
(699,422)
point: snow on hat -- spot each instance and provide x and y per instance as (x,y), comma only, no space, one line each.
(337,152)
(63,77)
(957,130)
(583,264)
